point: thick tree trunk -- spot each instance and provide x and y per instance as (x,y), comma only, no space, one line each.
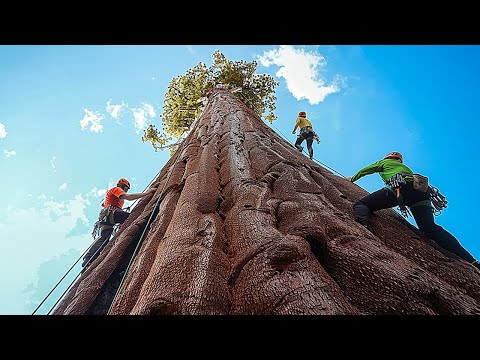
(249,225)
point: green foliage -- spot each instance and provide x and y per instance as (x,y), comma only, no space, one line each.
(155,137)
(182,103)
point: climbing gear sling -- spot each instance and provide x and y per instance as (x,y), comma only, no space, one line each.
(305,131)
(395,183)
(439,201)
(436,200)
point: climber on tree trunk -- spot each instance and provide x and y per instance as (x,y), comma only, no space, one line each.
(306,133)
(111,214)
(403,193)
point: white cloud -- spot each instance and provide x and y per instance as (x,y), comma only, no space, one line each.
(92,118)
(140,120)
(3,131)
(52,162)
(62,187)
(97,192)
(9,153)
(44,238)
(68,208)
(114,110)
(154,78)
(302,71)
(141,116)
(149,109)
(51,207)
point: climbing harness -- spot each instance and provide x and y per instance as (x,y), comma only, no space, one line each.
(395,183)
(106,220)
(305,131)
(436,200)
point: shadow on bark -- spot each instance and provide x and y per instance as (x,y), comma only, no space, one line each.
(105,297)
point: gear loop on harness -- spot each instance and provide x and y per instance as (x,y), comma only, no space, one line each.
(106,220)
(394,184)
(439,201)
(436,200)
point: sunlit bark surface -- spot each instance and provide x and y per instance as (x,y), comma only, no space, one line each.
(249,225)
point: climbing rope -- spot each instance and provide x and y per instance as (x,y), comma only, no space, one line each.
(399,212)
(81,256)
(180,141)
(58,283)
(286,139)
(68,271)
(313,158)
(179,151)
(69,286)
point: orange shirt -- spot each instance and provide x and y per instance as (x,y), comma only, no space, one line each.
(113,198)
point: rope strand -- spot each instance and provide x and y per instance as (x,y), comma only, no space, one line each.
(71,268)
(179,151)
(440,202)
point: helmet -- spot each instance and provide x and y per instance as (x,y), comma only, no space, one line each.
(394,155)
(123,181)
(302,114)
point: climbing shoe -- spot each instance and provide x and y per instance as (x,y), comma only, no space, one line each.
(310,152)
(299,147)
(476,263)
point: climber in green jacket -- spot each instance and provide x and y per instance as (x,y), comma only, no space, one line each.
(418,202)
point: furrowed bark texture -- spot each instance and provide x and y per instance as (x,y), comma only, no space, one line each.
(249,225)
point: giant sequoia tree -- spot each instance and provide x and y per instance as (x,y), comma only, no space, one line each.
(183,100)
(242,223)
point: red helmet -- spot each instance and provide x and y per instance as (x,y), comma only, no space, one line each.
(394,155)
(123,181)
(302,114)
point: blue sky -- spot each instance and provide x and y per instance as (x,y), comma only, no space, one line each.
(71,118)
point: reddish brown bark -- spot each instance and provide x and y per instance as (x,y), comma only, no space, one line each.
(249,225)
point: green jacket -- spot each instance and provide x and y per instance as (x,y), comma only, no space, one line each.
(386,169)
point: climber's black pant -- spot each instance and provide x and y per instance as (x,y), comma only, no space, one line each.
(119,217)
(423,215)
(305,135)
